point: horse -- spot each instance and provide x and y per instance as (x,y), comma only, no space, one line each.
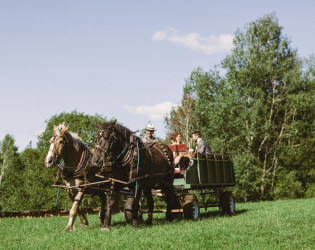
(75,172)
(129,162)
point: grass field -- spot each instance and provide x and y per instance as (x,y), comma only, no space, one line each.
(288,224)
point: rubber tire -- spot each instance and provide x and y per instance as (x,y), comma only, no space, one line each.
(191,207)
(227,203)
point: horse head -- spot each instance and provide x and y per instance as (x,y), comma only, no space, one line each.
(58,146)
(107,143)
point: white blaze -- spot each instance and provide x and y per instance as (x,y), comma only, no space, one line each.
(50,153)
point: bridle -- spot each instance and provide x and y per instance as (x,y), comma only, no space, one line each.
(56,158)
(82,165)
(107,156)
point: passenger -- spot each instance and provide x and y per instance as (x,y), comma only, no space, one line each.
(176,139)
(202,146)
(149,133)
(180,152)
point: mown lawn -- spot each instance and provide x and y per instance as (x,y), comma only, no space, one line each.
(288,224)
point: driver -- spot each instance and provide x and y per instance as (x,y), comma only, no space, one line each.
(149,133)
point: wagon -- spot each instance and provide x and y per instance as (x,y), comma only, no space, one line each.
(207,176)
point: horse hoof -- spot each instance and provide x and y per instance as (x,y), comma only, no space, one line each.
(135,223)
(84,226)
(169,216)
(67,229)
(105,229)
(148,222)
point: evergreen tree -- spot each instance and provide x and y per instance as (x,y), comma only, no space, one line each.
(11,191)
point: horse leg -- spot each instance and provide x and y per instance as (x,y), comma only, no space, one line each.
(83,219)
(150,204)
(101,214)
(110,205)
(136,206)
(74,210)
(82,216)
(169,215)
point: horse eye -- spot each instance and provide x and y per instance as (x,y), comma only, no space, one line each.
(61,142)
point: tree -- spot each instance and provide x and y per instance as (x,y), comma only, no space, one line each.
(78,122)
(264,70)
(11,176)
(182,120)
(261,111)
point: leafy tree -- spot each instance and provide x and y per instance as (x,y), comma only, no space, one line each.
(261,111)
(11,176)
(263,70)
(78,122)
(37,181)
(182,120)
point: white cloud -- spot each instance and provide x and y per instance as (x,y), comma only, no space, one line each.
(209,45)
(154,113)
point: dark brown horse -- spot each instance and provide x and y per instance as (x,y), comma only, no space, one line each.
(140,166)
(75,172)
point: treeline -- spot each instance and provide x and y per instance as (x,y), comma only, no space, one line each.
(25,182)
(257,105)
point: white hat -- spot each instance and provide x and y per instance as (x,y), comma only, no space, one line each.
(150,127)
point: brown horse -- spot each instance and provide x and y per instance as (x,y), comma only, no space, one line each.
(140,166)
(75,171)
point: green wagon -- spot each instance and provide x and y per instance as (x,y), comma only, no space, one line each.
(209,175)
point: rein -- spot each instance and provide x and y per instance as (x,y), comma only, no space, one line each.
(112,162)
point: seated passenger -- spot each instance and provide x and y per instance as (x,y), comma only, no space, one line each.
(176,139)
(202,146)
(180,152)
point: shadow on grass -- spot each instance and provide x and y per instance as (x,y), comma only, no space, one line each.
(213,214)
(160,219)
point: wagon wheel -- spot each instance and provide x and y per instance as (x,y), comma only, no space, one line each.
(128,209)
(191,207)
(227,203)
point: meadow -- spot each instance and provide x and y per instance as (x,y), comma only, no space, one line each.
(287,224)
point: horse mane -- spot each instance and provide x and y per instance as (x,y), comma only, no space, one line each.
(124,131)
(75,137)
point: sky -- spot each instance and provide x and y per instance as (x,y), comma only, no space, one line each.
(122,59)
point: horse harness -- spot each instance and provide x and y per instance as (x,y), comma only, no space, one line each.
(132,151)
(83,166)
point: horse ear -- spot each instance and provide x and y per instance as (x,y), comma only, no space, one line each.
(97,125)
(54,130)
(66,129)
(114,122)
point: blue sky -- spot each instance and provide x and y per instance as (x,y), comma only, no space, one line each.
(122,59)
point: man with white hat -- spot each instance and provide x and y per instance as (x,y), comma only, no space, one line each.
(149,133)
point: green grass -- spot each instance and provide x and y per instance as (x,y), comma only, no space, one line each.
(286,224)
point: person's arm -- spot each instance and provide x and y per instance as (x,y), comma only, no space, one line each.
(201,147)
